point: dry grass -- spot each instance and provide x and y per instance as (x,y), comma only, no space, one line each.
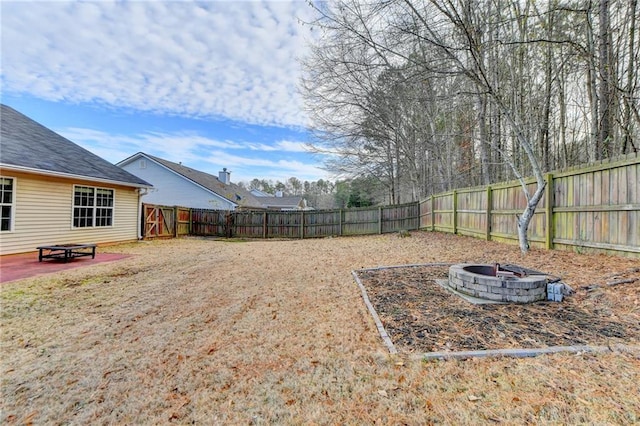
(275,332)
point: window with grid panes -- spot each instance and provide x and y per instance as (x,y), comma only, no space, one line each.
(104,207)
(92,207)
(7,200)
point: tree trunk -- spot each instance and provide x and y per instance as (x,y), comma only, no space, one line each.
(527,215)
(605,92)
(484,140)
(592,87)
(563,159)
(532,200)
(545,143)
(628,145)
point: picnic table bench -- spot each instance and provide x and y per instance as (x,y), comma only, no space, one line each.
(66,251)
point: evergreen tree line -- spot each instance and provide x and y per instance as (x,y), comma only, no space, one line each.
(324,194)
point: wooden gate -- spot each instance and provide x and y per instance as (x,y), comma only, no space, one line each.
(159,221)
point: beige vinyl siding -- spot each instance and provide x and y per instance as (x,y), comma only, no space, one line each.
(44,213)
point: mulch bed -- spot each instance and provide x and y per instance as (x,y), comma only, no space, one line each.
(420,316)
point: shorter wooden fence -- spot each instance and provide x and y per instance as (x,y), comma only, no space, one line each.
(279,224)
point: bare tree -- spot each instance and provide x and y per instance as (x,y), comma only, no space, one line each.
(438,94)
(605,86)
(631,116)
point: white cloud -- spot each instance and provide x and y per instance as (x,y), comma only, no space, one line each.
(179,146)
(282,146)
(245,168)
(200,152)
(214,59)
(293,146)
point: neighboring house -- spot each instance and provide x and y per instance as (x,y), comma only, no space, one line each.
(53,191)
(178,185)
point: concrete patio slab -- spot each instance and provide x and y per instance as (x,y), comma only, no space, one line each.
(18,266)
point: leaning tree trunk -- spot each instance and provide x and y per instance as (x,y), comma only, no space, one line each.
(532,200)
(527,215)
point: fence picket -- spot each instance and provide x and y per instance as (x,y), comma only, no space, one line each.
(596,207)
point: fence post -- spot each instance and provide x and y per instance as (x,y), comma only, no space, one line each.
(455,211)
(379,220)
(549,200)
(264,225)
(340,223)
(489,202)
(175,221)
(302,225)
(433,212)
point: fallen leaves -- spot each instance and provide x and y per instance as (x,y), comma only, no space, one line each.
(321,362)
(420,316)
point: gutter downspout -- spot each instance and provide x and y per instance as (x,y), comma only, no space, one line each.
(140,218)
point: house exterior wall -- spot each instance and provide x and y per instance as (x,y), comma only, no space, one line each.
(171,189)
(44,214)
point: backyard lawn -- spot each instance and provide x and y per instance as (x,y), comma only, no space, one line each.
(204,331)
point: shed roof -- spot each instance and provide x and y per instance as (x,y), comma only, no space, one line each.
(30,146)
(292,201)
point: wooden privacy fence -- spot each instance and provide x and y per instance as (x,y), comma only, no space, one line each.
(165,221)
(596,207)
(279,224)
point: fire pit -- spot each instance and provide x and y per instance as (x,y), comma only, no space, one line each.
(509,283)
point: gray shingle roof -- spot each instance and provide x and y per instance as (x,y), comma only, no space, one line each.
(231,191)
(25,143)
(285,201)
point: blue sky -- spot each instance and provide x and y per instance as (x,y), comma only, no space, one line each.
(209,84)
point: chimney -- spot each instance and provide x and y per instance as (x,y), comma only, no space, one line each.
(279,194)
(224,176)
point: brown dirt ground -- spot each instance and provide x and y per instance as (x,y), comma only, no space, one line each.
(420,316)
(200,331)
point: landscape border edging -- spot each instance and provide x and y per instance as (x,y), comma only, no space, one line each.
(524,353)
(383,333)
(488,353)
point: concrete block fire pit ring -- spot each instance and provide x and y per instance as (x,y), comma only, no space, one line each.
(480,281)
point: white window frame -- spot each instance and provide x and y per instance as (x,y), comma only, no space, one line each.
(94,207)
(12,204)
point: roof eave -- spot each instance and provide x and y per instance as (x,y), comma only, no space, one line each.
(12,167)
(131,158)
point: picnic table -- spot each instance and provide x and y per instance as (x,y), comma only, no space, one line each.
(66,251)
